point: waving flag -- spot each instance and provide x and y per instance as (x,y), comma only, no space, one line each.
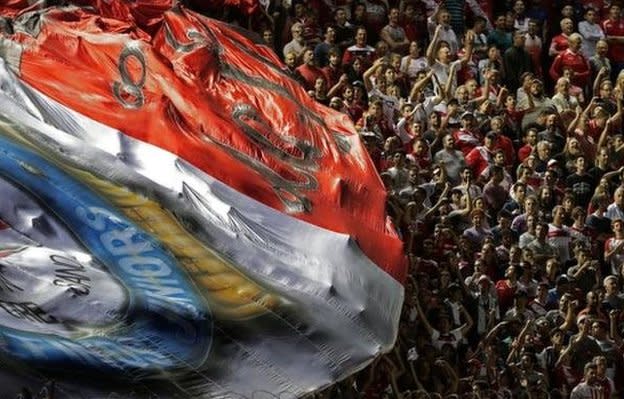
(180,213)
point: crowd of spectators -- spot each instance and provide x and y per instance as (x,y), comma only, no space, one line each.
(496,129)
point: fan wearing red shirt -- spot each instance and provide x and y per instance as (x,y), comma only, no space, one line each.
(308,71)
(574,60)
(530,141)
(465,138)
(613,28)
(482,156)
(502,142)
(559,43)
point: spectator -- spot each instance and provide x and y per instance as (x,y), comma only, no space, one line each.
(516,61)
(533,153)
(572,58)
(297,44)
(440,29)
(599,63)
(360,49)
(615,211)
(321,51)
(308,71)
(344,30)
(613,28)
(521,21)
(499,36)
(533,45)
(589,388)
(562,99)
(413,62)
(559,43)
(591,31)
(393,34)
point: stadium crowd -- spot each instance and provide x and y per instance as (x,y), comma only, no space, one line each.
(496,128)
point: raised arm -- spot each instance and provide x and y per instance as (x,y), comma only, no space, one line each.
(419,85)
(519,341)
(470,36)
(570,316)
(400,130)
(368,74)
(335,90)
(478,11)
(469,322)
(437,205)
(603,139)
(423,317)
(449,83)
(430,54)
(602,73)
(574,123)
(485,92)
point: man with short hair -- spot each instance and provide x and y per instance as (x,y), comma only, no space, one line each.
(482,156)
(450,159)
(494,194)
(393,34)
(588,388)
(468,185)
(333,70)
(534,103)
(308,71)
(613,28)
(399,172)
(477,233)
(553,134)
(533,46)
(359,49)
(558,234)
(516,61)
(599,61)
(321,51)
(581,182)
(499,36)
(542,249)
(467,138)
(613,298)
(439,26)
(343,29)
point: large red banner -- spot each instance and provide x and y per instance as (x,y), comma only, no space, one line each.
(206,92)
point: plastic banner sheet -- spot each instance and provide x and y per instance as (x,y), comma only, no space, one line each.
(178,214)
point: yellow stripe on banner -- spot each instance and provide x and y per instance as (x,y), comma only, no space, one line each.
(230,294)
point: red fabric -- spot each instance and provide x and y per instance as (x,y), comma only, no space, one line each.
(524,152)
(505,144)
(477,160)
(465,141)
(10,8)
(593,130)
(576,62)
(196,97)
(560,42)
(309,74)
(505,294)
(614,28)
